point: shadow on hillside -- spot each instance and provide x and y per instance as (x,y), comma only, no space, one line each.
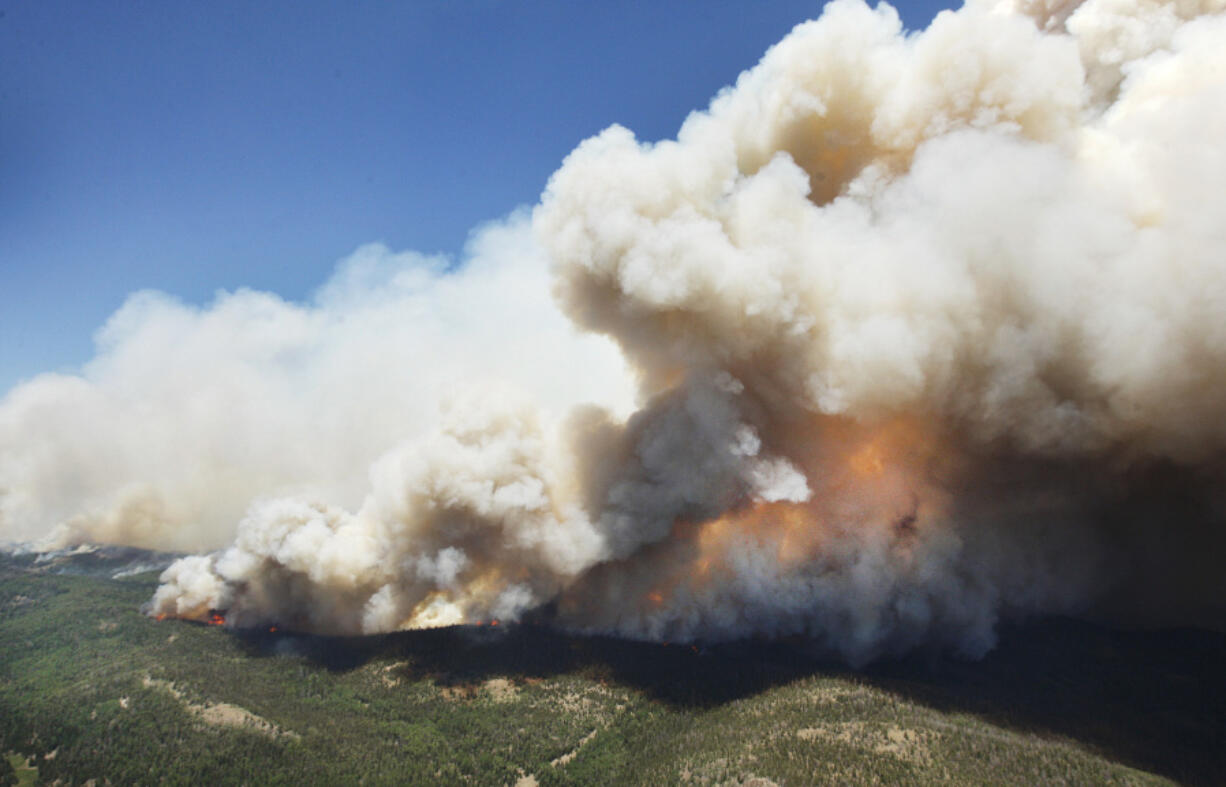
(1153,700)
(680,675)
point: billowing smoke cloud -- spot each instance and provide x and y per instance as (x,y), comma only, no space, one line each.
(187,415)
(927,331)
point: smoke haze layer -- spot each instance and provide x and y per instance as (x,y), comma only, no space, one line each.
(926,331)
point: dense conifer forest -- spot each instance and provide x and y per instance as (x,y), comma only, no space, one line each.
(91,689)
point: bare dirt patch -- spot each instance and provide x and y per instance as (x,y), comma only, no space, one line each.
(227,715)
(501,690)
(909,745)
(906,744)
(386,674)
(457,693)
(19,600)
(222,714)
(573,753)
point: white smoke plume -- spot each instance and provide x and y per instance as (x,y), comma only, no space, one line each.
(188,415)
(927,331)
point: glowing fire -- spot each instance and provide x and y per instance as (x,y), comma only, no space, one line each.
(211,618)
(869,460)
(860,478)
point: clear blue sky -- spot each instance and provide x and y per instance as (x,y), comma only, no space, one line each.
(196,146)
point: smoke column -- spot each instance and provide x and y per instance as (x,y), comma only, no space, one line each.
(927,332)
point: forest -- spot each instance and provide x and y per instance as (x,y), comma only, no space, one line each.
(92,689)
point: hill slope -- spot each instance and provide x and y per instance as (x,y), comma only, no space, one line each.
(90,688)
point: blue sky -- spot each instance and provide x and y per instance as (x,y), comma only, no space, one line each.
(197,146)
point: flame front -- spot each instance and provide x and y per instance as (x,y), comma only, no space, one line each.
(870,480)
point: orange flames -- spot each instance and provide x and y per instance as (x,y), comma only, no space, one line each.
(211,618)
(859,477)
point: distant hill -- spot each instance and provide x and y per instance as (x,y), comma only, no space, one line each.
(92,560)
(91,689)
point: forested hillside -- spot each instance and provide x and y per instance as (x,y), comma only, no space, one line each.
(92,689)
